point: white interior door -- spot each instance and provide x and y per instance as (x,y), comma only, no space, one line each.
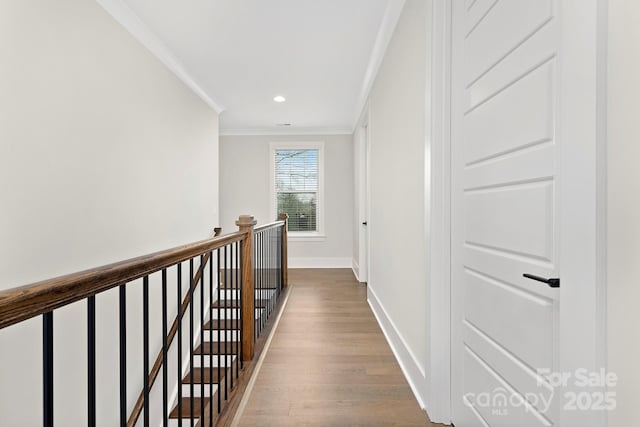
(524,200)
(363,207)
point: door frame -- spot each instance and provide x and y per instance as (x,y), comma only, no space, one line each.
(583,130)
(438,211)
(362,141)
(587,144)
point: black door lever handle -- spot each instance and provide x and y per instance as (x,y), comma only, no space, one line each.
(553,283)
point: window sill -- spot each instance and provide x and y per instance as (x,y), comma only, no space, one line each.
(306,237)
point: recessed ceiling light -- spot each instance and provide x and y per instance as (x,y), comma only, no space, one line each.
(279,98)
(283,124)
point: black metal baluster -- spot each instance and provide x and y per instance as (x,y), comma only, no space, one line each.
(145,346)
(265,284)
(281,264)
(260,272)
(271,267)
(260,285)
(220,321)
(179,344)
(265,273)
(262,281)
(211,329)
(256,281)
(123,354)
(276,278)
(265,278)
(47,368)
(278,261)
(265,268)
(91,361)
(261,269)
(202,367)
(256,284)
(236,304)
(277,265)
(226,343)
(256,289)
(270,270)
(274,270)
(165,361)
(191,410)
(274,264)
(232,334)
(237,294)
(265,254)
(240,312)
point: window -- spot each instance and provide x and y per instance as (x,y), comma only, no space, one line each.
(297,186)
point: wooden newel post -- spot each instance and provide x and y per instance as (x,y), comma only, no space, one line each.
(245,223)
(285,269)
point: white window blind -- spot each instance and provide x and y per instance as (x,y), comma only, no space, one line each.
(296,187)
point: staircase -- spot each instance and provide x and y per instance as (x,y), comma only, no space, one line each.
(217,361)
(242,273)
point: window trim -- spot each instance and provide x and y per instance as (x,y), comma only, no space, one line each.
(301,236)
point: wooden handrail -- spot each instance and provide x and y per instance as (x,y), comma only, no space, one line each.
(22,303)
(266,226)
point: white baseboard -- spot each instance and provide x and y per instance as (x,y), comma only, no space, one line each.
(411,369)
(356,269)
(319,262)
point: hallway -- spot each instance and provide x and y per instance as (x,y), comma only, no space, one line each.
(329,363)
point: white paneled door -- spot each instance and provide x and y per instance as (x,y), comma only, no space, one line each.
(524,201)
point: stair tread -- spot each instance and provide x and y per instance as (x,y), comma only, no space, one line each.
(211,375)
(197,401)
(233,285)
(234,303)
(223,348)
(224,325)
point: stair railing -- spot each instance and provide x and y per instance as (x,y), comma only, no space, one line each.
(270,267)
(225,265)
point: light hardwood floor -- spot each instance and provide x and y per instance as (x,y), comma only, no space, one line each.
(329,363)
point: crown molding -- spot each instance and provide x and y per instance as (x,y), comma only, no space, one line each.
(284,132)
(139,30)
(385,33)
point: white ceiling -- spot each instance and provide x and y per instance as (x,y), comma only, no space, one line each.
(241,53)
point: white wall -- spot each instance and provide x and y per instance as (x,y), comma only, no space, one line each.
(397,220)
(623,151)
(249,193)
(104,155)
